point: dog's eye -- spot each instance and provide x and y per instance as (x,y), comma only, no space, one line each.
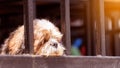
(55,45)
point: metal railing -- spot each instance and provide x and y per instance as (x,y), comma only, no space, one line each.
(29,12)
(29,15)
(95,9)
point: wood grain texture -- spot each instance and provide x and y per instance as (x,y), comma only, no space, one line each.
(59,62)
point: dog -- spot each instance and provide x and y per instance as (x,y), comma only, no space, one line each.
(47,40)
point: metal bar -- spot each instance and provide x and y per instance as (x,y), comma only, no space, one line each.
(97,47)
(116,32)
(100,28)
(65,24)
(29,15)
(102,22)
(92,25)
(89,31)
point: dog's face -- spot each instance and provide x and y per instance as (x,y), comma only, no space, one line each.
(52,48)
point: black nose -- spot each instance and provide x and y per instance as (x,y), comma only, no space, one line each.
(55,45)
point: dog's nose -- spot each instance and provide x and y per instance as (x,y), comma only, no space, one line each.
(55,45)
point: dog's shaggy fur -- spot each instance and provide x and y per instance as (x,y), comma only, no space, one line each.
(47,40)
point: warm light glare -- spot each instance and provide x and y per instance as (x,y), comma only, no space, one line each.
(109,24)
(112,0)
(119,23)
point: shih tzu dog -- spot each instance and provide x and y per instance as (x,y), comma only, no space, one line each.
(47,40)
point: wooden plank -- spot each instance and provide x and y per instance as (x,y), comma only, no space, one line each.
(29,15)
(65,24)
(15,62)
(31,61)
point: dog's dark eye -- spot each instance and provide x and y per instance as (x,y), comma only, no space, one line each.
(55,45)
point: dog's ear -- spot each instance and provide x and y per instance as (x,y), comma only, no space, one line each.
(47,35)
(41,37)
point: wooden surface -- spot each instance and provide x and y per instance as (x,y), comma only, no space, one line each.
(59,62)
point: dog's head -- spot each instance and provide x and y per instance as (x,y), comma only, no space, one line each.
(47,40)
(50,37)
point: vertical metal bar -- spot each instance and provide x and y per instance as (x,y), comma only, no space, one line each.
(29,15)
(95,29)
(116,38)
(100,28)
(92,25)
(89,25)
(102,22)
(65,24)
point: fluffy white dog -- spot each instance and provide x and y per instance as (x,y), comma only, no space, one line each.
(47,40)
